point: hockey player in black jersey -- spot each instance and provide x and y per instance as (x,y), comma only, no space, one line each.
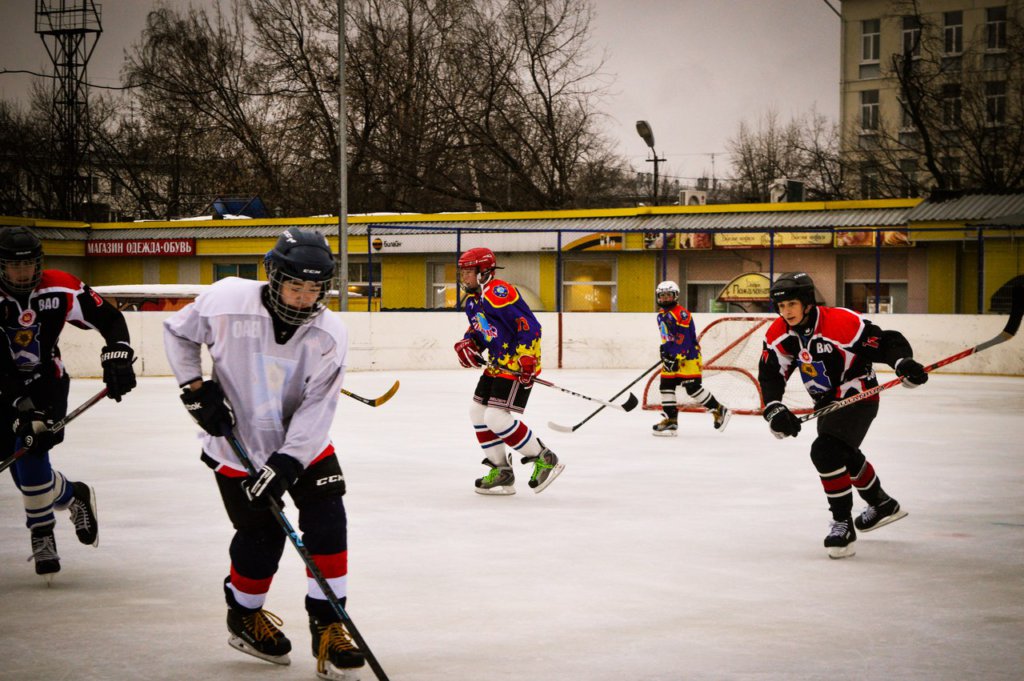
(833,349)
(35,304)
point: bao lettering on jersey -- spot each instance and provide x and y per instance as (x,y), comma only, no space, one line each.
(246,329)
(49,303)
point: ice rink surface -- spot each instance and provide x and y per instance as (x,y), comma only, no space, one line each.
(698,557)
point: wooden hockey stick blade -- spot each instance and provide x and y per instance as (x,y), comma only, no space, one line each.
(1008,332)
(375,402)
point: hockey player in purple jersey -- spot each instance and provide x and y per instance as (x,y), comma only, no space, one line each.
(681,363)
(278,366)
(501,323)
(35,305)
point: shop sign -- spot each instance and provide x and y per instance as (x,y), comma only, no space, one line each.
(130,248)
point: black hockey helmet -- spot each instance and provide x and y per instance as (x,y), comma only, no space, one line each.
(18,246)
(792,286)
(298,256)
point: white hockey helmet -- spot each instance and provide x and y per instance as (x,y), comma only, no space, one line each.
(666,288)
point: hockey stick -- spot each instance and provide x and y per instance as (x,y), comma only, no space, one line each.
(628,405)
(307,559)
(56,427)
(1008,332)
(376,402)
(572,429)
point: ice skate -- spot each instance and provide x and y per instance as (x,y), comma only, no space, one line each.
(499,481)
(545,469)
(44,553)
(873,517)
(841,538)
(337,657)
(722,415)
(257,634)
(83,514)
(666,427)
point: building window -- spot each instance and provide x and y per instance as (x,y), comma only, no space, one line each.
(589,286)
(869,185)
(443,287)
(995,102)
(870,40)
(869,110)
(995,28)
(908,171)
(996,167)
(952,105)
(953,43)
(951,172)
(361,276)
(861,297)
(912,36)
(224,270)
(703,297)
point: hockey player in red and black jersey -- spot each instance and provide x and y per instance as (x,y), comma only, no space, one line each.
(681,363)
(833,348)
(36,304)
(501,323)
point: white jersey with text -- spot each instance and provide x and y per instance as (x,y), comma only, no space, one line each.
(284,395)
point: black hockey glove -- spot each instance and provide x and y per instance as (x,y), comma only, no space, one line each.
(33,427)
(118,373)
(781,420)
(278,474)
(669,362)
(208,407)
(911,373)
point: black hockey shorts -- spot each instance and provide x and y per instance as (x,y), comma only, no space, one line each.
(319,488)
(850,424)
(503,393)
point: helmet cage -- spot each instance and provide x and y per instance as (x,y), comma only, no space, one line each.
(666,288)
(298,257)
(18,247)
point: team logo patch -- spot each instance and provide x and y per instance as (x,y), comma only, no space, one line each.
(27,318)
(481,324)
(500,291)
(814,377)
(24,337)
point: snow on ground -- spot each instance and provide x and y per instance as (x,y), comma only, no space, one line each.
(649,559)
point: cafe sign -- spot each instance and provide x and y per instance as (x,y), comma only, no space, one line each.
(746,288)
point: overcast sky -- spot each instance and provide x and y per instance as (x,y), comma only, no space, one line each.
(694,69)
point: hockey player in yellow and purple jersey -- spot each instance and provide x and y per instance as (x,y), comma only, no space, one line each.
(681,362)
(501,323)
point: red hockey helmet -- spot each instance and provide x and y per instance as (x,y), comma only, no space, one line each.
(482,262)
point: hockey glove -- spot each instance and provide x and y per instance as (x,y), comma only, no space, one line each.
(33,427)
(208,407)
(911,373)
(527,369)
(469,354)
(669,362)
(781,420)
(278,474)
(118,373)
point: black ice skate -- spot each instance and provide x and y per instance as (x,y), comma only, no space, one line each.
(256,633)
(83,514)
(337,656)
(545,468)
(841,538)
(666,427)
(873,517)
(722,415)
(44,553)
(497,481)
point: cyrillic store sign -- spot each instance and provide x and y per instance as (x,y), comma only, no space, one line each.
(128,248)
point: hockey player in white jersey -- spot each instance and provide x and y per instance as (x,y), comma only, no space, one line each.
(278,366)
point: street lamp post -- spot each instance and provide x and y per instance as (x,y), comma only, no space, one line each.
(644,130)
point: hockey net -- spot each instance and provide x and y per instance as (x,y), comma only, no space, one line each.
(731,348)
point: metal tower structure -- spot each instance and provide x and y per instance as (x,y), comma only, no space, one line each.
(70,30)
